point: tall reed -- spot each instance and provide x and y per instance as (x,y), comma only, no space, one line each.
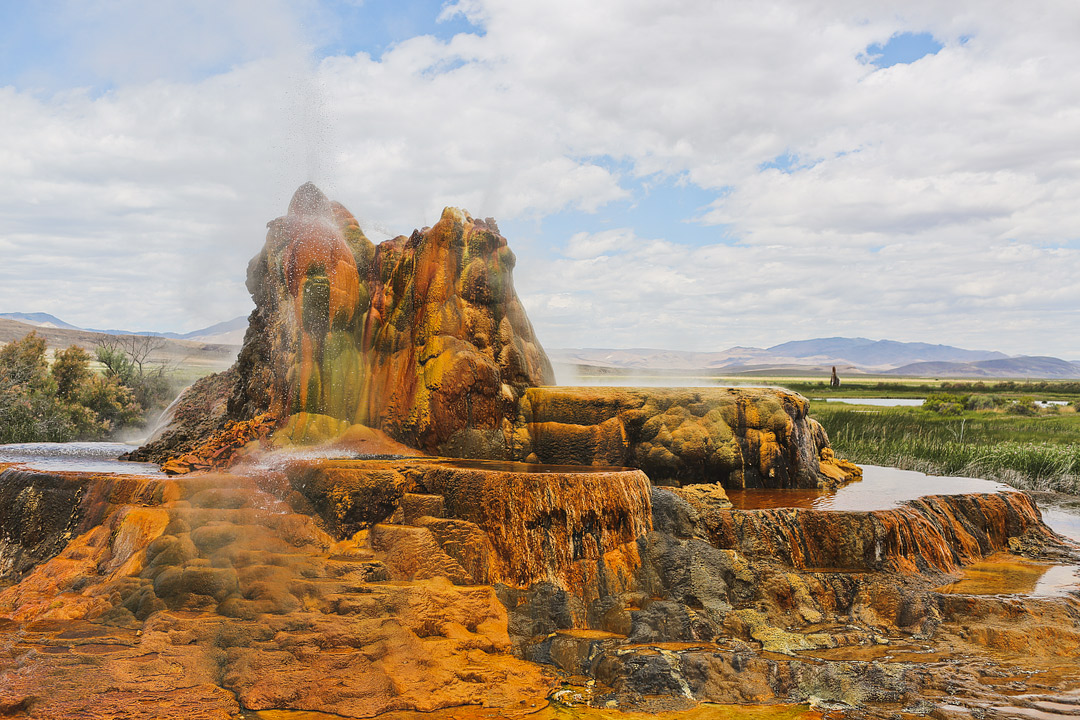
(1037,453)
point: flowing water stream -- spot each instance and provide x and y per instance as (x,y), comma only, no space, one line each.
(93,457)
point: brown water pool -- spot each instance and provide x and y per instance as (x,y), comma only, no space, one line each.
(1006,574)
(881,488)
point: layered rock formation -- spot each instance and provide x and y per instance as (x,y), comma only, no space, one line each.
(359,587)
(736,437)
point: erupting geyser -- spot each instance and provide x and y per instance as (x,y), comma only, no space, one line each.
(420,337)
(423,339)
(567,532)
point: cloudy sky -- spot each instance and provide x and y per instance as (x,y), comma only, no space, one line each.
(686,174)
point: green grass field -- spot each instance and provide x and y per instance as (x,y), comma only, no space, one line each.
(908,388)
(1038,452)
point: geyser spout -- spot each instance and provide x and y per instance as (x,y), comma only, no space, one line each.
(422,337)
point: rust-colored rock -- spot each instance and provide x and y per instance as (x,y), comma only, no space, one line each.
(222,448)
(936,533)
(574,529)
(207,580)
(424,340)
(422,337)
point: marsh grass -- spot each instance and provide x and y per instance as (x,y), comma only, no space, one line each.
(907,387)
(1036,453)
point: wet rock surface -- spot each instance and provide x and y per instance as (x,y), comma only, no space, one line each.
(229,593)
(735,437)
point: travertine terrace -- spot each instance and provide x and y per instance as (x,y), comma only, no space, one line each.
(385,506)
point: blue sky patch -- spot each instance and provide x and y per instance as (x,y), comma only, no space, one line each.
(54,45)
(374,26)
(902,49)
(657,209)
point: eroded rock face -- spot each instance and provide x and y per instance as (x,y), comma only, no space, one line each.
(208,592)
(936,533)
(735,437)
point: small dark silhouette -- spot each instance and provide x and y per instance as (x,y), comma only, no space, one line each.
(834,381)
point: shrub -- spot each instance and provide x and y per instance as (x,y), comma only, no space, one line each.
(945,403)
(68,401)
(983,402)
(70,369)
(1023,406)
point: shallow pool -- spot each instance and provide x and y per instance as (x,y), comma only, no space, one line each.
(94,457)
(885,487)
(880,489)
(1006,574)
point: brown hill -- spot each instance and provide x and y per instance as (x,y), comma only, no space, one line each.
(200,357)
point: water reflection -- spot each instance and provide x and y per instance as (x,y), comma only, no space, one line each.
(1005,574)
(1063,521)
(881,488)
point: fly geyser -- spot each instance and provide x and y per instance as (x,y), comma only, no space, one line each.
(423,339)
(468,534)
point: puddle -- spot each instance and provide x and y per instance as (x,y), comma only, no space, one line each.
(881,488)
(1061,520)
(877,653)
(1005,574)
(589,634)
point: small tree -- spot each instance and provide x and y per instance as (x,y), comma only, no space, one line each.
(70,370)
(129,359)
(29,409)
(113,403)
(22,362)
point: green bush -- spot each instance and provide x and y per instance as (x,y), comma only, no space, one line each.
(983,402)
(945,403)
(1023,406)
(68,401)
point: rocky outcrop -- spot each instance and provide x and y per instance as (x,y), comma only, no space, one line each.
(422,337)
(357,587)
(936,533)
(487,522)
(736,437)
(42,512)
(195,416)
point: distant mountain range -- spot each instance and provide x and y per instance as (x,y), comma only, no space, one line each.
(230,332)
(849,355)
